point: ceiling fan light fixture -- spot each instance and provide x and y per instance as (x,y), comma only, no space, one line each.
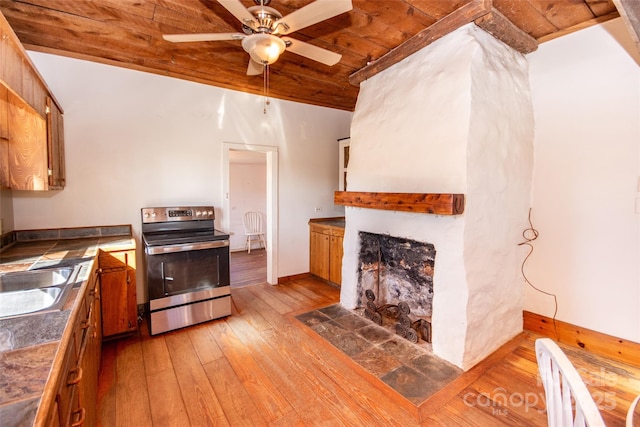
(263,48)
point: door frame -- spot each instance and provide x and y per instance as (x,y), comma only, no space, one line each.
(272,200)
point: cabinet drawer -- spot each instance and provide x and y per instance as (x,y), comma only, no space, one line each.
(317,228)
(337,232)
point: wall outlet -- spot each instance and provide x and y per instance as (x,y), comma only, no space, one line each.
(317,209)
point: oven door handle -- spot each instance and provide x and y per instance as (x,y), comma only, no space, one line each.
(164,290)
(156,250)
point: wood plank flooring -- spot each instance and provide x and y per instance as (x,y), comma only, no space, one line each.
(262,367)
(248,268)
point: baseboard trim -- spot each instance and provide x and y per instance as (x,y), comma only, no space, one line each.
(611,347)
(286,279)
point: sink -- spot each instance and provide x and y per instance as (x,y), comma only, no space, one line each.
(29,292)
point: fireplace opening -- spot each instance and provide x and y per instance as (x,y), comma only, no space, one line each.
(395,284)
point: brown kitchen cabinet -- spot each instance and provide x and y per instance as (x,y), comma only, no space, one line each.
(77,393)
(90,353)
(319,251)
(4,138)
(31,129)
(55,145)
(335,255)
(325,248)
(118,292)
(27,146)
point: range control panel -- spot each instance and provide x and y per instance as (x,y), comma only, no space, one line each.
(192,213)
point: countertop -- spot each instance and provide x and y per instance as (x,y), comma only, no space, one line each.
(337,222)
(29,344)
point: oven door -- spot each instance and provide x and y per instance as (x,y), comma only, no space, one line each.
(187,273)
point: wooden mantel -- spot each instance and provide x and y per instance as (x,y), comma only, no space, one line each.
(431,203)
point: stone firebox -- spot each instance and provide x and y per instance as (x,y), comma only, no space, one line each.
(397,270)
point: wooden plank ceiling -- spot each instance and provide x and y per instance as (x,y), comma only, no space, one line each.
(127,33)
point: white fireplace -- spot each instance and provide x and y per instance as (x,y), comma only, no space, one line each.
(455,117)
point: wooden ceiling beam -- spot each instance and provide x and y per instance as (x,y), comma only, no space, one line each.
(462,16)
(496,24)
(630,12)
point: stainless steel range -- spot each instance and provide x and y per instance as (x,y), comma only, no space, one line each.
(187,265)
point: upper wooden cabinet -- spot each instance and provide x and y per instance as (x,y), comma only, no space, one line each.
(343,157)
(4,138)
(31,123)
(27,147)
(55,145)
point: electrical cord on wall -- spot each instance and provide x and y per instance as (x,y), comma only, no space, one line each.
(530,234)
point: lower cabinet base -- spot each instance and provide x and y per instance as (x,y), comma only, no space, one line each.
(189,314)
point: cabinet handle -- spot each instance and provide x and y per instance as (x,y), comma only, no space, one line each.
(78,376)
(82,415)
(128,278)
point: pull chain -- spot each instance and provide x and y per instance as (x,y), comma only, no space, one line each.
(266,87)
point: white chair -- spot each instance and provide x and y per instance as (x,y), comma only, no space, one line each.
(252,223)
(561,383)
(631,411)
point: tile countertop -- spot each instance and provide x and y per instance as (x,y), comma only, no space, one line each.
(29,344)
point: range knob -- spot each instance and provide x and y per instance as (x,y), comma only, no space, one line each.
(198,213)
(210,213)
(146,214)
(153,214)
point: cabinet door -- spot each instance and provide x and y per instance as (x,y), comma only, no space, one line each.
(4,137)
(27,146)
(344,162)
(118,293)
(55,145)
(89,359)
(67,400)
(335,259)
(118,315)
(319,254)
(11,65)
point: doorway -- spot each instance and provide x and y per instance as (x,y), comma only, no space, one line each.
(231,212)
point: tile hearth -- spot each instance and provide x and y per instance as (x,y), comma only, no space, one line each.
(411,370)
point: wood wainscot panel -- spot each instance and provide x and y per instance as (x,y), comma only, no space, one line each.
(432,203)
(576,336)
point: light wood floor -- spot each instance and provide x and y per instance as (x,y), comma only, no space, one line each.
(248,268)
(261,367)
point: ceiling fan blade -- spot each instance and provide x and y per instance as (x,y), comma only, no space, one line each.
(311,14)
(312,52)
(202,37)
(254,68)
(238,10)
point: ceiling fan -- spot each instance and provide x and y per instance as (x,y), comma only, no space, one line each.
(264,27)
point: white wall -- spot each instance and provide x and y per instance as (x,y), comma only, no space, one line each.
(586,96)
(247,192)
(134,139)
